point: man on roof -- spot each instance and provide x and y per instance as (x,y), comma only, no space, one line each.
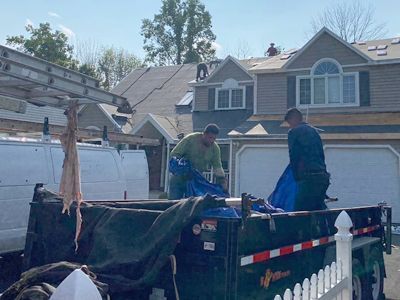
(272,51)
(203,152)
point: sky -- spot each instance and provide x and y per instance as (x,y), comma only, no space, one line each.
(250,24)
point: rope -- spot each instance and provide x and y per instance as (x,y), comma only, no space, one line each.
(173,266)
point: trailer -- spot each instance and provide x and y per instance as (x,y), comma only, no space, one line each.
(249,256)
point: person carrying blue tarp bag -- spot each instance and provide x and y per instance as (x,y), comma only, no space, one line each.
(284,194)
(307,161)
(200,150)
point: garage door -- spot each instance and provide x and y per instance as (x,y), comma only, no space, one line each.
(259,168)
(363,176)
(360,175)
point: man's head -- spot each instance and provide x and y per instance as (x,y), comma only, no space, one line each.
(210,134)
(293,117)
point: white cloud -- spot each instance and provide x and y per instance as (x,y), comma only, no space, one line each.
(53,14)
(29,22)
(68,32)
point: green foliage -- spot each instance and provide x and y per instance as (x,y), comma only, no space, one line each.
(180,33)
(45,44)
(109,65)
(114,65)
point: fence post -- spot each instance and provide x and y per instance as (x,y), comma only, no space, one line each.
(343,251)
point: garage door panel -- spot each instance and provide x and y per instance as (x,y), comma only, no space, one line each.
(260,168)
(364,176)
(359,175)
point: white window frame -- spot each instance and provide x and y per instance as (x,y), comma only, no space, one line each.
(230,98)
(326,76)
(229,85)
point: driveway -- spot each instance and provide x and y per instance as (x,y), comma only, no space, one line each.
(392,281)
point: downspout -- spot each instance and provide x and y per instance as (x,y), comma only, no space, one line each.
(163,163)
(167,169)
(230,166)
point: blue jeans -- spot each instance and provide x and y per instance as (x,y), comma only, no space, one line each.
(177,187)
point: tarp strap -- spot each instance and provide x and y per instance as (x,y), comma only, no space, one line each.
(173,267)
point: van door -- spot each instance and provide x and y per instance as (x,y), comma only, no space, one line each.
(135,167)
(101,174)
(21,167)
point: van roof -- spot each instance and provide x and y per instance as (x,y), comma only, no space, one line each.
(40,141)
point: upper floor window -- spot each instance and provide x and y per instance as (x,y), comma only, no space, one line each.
(230,95)
(327,85)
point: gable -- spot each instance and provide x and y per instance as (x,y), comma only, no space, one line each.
(92,115)
(229,70)
(323,47)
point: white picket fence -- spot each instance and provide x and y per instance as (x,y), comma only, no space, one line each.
(334,282)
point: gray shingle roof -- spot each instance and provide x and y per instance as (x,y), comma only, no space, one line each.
(392,50)
(157,90)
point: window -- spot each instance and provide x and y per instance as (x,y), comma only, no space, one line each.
(230,96)
(327,85)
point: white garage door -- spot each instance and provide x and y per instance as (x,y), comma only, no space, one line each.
(364,176)
(259,168)
(360,175)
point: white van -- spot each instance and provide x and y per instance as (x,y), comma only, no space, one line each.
(105,175)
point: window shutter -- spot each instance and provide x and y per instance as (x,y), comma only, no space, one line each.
(211,98)
(249,97)
(291,91)
(364,88)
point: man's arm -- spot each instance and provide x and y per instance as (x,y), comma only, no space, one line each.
(218,170)
(293,152)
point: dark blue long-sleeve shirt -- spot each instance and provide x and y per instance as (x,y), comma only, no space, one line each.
(305,150)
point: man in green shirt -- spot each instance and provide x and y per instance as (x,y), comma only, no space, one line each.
(203,152)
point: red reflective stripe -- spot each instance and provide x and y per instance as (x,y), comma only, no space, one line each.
(266,255)
(306,245)
(286,250)
(324,240)
(261,256)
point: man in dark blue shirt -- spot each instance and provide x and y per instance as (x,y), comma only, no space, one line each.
(307,160)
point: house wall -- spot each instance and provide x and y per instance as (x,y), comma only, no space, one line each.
(326,46)
(384,85)
(271,93)
(229,70)
(201,98)
(92,115)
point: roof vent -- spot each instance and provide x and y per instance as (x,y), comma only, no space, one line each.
(285,56)
(382,47)
(381,52)
(371,48)
(396,41)
(361,43)
(353,43)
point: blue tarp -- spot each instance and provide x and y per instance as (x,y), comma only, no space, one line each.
(285,191)
(196,184)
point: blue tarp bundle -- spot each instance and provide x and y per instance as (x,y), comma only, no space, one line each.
(197,185)
(285,191)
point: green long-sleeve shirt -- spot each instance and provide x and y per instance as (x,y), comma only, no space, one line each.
(201,156)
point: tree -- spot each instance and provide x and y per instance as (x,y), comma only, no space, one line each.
(114,64)
(180,33)
(242,50)
(353,21)
(45,44)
